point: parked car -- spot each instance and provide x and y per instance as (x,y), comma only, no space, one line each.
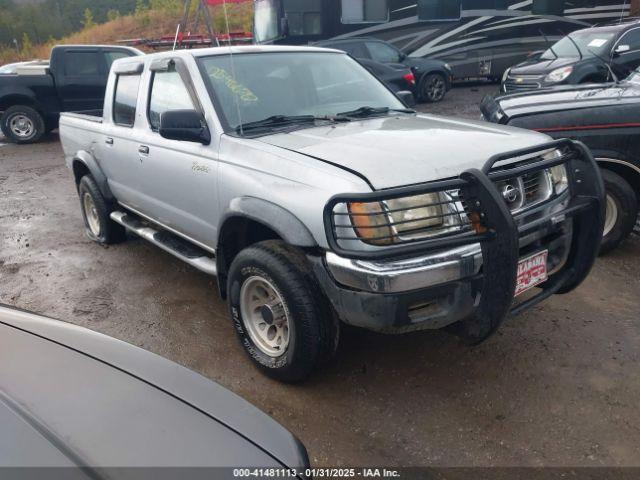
(316,201)
(74,79)
(433,78)
(75,399)
(604,117)
(397,78)
(585,56)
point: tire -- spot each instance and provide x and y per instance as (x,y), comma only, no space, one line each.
(433,88)
(95,212)
(622,210)
(22,124)
(277,271)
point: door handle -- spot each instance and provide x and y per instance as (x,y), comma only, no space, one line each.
(109,141)
(143,149)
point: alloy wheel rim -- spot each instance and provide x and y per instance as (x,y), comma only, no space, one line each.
(435,89)
(91,213)
(265,316)
(611,217)
(21,126)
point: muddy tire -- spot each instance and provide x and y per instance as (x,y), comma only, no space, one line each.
(282,319)
(22,124)
(95,212)
(433,88)
(622,211)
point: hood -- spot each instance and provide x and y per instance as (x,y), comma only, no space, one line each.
(568,98)
(543,67)
(404,150)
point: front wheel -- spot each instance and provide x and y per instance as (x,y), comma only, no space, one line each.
(22,124)
(283,321)
(433,88)
(621,213)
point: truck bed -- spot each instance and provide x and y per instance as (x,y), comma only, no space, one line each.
(79,131)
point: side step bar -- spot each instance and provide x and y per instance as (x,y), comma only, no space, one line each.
(167,241)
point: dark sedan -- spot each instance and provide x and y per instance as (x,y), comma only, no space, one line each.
(70,397)
(433,78)
(592,55)
(604,117)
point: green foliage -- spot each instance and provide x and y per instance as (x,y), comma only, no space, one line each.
(88,21)
(113,15)
(26,47)
(53,18)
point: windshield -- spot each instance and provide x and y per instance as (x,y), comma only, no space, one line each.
(259,86)
(581,44)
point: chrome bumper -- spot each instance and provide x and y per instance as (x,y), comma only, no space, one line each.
(406,275)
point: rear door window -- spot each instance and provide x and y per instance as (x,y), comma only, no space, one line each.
(126,100)
(82,64)
(168,92)
(355,49)
(113,55)
(383,53)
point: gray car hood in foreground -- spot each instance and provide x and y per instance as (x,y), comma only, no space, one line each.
(69,396)
(406,149)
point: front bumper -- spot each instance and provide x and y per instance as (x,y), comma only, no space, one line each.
(443,285)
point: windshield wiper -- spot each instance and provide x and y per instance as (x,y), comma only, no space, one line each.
(284,121)
(364,112)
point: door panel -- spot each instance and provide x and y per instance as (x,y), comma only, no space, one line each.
(178,184)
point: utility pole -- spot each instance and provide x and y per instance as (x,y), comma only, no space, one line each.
(635,8)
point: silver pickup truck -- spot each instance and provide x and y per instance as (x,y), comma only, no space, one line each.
(316,196)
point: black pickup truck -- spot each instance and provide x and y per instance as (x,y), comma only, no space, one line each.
(32,98)
(605,117)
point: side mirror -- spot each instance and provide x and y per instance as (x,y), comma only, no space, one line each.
(184,125)
(407,98)
(403,57)
(622,49)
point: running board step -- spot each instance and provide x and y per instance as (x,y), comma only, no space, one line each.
(167,241)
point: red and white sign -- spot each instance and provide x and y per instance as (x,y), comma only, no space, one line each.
(532,271)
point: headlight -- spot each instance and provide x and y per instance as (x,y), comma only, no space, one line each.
(409,218)
(559,75)
(447,66)
(506,75)
(558,174)
(559,179)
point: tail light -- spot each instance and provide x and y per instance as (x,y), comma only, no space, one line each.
(411,78)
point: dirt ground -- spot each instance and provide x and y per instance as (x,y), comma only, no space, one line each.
(558,386)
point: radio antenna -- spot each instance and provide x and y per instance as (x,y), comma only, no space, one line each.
(233,65)
(624,7)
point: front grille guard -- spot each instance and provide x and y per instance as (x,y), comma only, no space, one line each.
(500,242)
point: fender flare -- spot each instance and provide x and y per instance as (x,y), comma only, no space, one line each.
(273,216)
(89,162)
(20,93)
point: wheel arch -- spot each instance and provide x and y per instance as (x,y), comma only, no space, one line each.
(82,164)
(626,169)
(250,220)
(13,99)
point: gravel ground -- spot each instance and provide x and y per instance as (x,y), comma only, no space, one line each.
(558,386)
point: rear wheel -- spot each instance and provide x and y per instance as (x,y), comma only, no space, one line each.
(621,211)
(433,88)
(283,321)
(96,211)
(22,124)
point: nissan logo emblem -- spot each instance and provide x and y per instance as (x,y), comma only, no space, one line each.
(510,193)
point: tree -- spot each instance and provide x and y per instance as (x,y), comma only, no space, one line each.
(113,15)
(88,21)
(27,46)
